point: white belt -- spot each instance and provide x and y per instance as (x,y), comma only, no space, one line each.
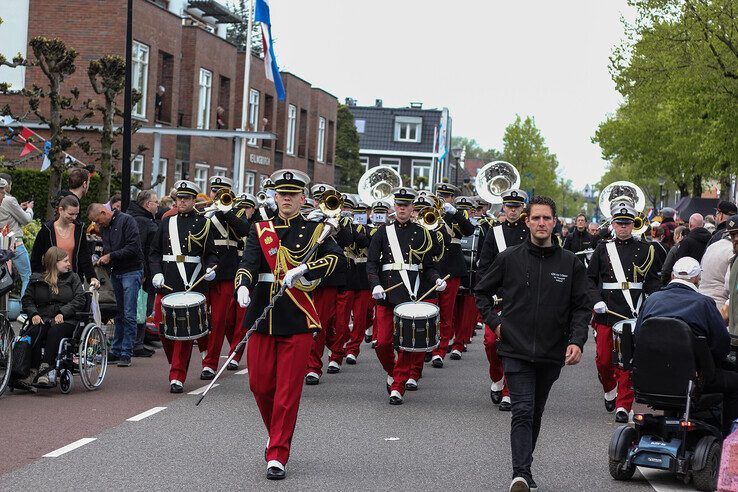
(401,266)
(455,240)
(266,277)
(181,258)
(225,242)
(359,260)
(618,286)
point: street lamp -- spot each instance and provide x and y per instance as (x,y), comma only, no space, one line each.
(662,182)
(456,154)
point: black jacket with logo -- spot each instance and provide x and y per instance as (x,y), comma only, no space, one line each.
(545,308)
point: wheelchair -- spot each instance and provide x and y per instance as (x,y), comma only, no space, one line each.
(85,353)
(6,351)
(670,366)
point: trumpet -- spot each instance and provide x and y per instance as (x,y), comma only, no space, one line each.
(429,218)
(261,198)
(330,203)
(224,201)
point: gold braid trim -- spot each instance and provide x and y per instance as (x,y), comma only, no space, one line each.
(643,269)
(200,237)
(424,248)
(242,272)
(439,237)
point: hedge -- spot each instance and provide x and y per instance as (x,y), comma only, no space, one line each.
(33,184)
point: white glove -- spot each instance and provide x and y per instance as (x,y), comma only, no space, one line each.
(378,292)
(270,203)
(315,216)
(242,294)
(209,274)
(600,307)
(333,222)
(292,276)
(440,285)
(449,209)
(158,280)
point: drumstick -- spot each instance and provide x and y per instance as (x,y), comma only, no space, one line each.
(167,287)
(616,314)
(199,280)
(432,289)
(393,287)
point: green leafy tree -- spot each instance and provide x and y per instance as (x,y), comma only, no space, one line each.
(347,149)
(237,33)
(525,148)
(474,150)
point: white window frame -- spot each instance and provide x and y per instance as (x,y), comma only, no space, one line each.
(360,125)
(253,115)
(404,126)
(140,76)
(177,170)
(291,126)
(249,180)
(200,181)
(420,164)
(205,93)
(392,162)
(137,169)
(220,171)
(364,162)
(321,140)
(161,188)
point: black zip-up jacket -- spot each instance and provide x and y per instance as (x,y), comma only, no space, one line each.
(456,226)
(39,299)
(578,241)
(694,244)
(545,302)
(46,238)
(718,233)
(344,238)
(147,227)
(121,241)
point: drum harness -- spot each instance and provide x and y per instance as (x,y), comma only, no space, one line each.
(403,268)
(622,284)
(178,258)
(499,238)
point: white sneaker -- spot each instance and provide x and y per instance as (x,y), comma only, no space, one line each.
(519,484)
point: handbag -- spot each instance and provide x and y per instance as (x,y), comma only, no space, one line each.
(21,358)
(6,280)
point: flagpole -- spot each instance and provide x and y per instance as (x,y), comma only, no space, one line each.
(434,171)
(246,96)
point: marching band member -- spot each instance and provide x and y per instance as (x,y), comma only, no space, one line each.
(325,297)
(620,273)
(278,351)
(465,307)
(379,217)
(399,252)
(511,232)
(456,226)
(267,208)
(179,253)
(228,229)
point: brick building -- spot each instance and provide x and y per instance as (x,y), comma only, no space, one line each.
(404,139)
(191,128)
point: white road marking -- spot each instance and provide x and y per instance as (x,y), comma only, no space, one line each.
(70,447)
(243,371)
(391,438)
(662,481)
(200,391)
(147,413)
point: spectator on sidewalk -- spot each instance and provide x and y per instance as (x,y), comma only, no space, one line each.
(723,212)
(68,233)
(78,183)
(15,216)
(115,202)
(122,251)
(143,210)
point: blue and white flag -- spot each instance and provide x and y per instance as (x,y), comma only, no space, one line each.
(270,61)
(442,148)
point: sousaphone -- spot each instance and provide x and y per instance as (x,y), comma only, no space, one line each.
(620,190)
(494,179)
(377,184)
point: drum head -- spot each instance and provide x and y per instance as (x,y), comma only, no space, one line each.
(182,299)
(618,327)
(416,310)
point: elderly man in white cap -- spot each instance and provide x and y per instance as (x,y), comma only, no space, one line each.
(681,300)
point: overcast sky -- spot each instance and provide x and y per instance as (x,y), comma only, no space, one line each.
(486,60)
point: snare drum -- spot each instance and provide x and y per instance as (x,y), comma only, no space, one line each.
(184,316)
(417,326)
(622,343)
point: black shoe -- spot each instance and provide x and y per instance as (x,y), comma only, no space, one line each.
(367,339)
(505,406)
(455,355)
(411,386)
(610,405)
(428,356)
(112,358)
(532,485)
(275,473)
(124,362)
(621,416)
(143,352)
(207,374)
(519,484)
(465,349)
(311,380)
(175,388)
(232,366)
(394,400)
(496,396)
(333,370)
(351,360)
(389,388)
(437,362)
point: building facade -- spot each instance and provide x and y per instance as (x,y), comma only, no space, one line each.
(405,139)
(192,82)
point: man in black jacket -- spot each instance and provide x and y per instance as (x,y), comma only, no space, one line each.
(122,251)
(542,325)
(579,239)
(722,213)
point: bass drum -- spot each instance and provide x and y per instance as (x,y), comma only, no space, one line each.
(622,343)
(417,326)
(469,250)
(184,316)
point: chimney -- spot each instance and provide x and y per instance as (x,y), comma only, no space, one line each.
(378,103)
(416,105)
(350,102)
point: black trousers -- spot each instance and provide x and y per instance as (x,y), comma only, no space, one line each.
(49,338)
(725,382)
(529,384)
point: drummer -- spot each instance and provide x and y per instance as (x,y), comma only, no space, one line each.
(400,252)
(466,313)
(181,253)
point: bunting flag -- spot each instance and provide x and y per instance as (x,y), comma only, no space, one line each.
(27,149)
(26,133)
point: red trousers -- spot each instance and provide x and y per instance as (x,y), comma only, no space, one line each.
(466,318)
(178,352)
(326,300)
(610,374)
(446,301)
(402,368)
(495,364)
(361,305)
(276,372)
(223,320)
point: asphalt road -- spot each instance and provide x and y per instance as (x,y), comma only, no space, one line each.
(447,435)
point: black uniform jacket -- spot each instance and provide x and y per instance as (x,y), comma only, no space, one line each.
(229,246)
(418,247)
(514,232)
(344,237)
(194,240)
(356,254)
(638,263)
(456,226)
(296,237)
(546,306)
